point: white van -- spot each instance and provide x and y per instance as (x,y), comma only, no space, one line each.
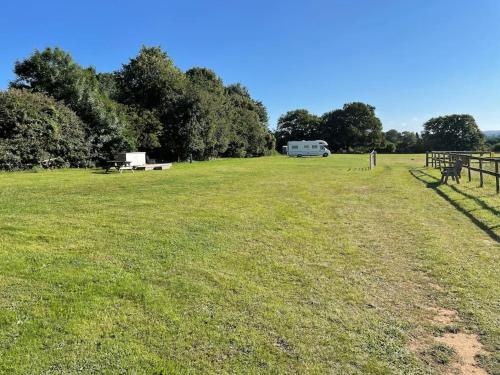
(308,148)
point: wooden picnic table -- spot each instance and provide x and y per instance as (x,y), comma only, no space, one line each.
(119,165)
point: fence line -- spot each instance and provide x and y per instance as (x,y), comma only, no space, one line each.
(442,159)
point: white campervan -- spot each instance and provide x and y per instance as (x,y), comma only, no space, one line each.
(308,148)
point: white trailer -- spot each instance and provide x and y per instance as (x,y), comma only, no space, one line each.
(308,148)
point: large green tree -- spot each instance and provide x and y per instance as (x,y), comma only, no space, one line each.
(452,133)
(212,110)
(354,127)
(151,80)
(249,133)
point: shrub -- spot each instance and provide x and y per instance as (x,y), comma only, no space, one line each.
(35,127)
(389,147)
(496,147)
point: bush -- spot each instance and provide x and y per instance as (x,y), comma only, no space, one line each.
(496,147)
(388,148)
(35,127)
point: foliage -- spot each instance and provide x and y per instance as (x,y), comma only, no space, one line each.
(35,127)
(151,105)
(54,72)
(249,135)
(297,125)
(388,147)
(404,142)
(355,126)
(453,132)
(151,80)
(491,143)
(212,111)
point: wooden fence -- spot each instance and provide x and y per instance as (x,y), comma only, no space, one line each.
(373,159)
(473,161)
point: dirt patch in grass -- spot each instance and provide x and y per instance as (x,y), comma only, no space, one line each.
(455,352)
(467,347)
(443,316)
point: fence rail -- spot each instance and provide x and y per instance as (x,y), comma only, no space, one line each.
(473,161)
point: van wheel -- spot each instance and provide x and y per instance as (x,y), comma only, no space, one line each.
(325,155)
(299,155)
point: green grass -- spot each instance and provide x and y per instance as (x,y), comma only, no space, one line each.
(269,265)
(440,353)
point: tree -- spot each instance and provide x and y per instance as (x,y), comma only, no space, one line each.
(181,128)
(249,134)
(452,133)
(151,105)
(151,80)
(35,127)
(51,71)
(144,129)
(355,126)
(213,110)
(297,125)
(393,136)
(408,142)
(54,72)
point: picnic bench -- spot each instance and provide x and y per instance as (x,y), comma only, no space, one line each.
(48,163)
(454,171)
(119,165)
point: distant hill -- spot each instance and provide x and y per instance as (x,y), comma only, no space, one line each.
(491,133)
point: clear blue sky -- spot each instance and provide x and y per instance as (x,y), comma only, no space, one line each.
(411,59)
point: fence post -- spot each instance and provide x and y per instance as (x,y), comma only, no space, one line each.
(468,167)
(427,158)
(481,172)
(497,176)
(373,159)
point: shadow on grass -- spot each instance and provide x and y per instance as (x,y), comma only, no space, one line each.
(477,200)
(423,176)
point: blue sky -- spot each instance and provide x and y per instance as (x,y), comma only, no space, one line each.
(411,59)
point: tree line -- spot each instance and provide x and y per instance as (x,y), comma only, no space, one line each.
(493,143)
(356,128)
(57,109)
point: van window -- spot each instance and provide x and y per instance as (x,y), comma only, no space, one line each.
(306,146)
(314,146)
(295,147)
(322,147)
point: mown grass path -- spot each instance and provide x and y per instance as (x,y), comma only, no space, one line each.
(271,265)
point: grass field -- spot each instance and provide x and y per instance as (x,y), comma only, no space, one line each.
(270,265)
